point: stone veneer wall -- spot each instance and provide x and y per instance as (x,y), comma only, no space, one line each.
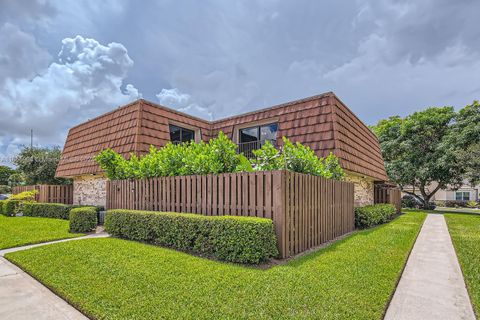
(90,190)
(363,189)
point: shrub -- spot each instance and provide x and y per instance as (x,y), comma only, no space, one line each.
(371,215)
(298,158)
(46,210)
(440,203)
(455,203)
(1,206)
(234,239)
(83,219)
(472,204)
(10,207)
(219,155)
(25,196)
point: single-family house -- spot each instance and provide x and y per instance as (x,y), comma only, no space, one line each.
(322,122)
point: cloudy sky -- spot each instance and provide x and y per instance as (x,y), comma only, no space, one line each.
(63,62)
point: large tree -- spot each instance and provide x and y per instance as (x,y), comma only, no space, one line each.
(463,142)
(414,151)
(38,165)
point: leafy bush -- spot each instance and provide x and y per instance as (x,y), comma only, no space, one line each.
(234,239)
(472,204)
(298,158)
(455,204)
(440,203)
(10,207)
(25,196)
(83,219)
(1,206)
(371,215)
(219,155)
(46,210)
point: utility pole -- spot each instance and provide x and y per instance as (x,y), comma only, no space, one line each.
(31,139)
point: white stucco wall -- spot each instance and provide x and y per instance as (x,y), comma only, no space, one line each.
(90,190)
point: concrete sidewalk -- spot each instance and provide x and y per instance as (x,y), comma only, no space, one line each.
(30,246)
(432,285)
(24,298)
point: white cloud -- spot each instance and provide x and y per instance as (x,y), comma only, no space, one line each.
(86,81)
(20,56)
(173,98)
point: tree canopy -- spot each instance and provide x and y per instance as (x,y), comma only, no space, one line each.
(5,173)
(431,149)
(38,165)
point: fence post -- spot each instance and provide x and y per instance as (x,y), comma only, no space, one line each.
(279,181)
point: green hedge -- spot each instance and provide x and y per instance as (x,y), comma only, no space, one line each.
(46,210)
(83,219)
(10,207)
(372,215)
(1,206)
(234,239)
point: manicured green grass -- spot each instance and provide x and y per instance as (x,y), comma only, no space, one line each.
(457,210)
(465,232)
(117,279)
(20,231)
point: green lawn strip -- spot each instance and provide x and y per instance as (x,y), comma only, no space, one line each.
(465,232)
(116,279)
(20,231)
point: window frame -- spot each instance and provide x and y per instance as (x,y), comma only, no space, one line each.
(462,195)
(182,128)
(258,128)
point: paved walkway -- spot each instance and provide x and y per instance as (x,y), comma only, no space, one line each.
(95,235)
(24,298)
(432,285)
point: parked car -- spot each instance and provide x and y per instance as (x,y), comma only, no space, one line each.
(4,196)
(409,201)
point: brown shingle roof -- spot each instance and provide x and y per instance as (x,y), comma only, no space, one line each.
(322,122)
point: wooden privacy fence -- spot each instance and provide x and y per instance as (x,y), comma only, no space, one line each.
(49,193)
(306,210)
(388,194)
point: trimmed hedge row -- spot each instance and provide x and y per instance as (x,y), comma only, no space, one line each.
(52,210)
(46,210)
(9,208)
(234,239)
(372,215)
(83,219)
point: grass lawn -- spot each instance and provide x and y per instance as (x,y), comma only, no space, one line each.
(117,279)
(465,232)
(455,210)
(19,231)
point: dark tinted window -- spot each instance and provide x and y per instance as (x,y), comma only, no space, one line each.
(260,133)
(249,134)
(179,134)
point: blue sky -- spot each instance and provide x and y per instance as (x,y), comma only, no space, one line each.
(63,62)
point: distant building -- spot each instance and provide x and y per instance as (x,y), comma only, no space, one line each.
(464,194)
